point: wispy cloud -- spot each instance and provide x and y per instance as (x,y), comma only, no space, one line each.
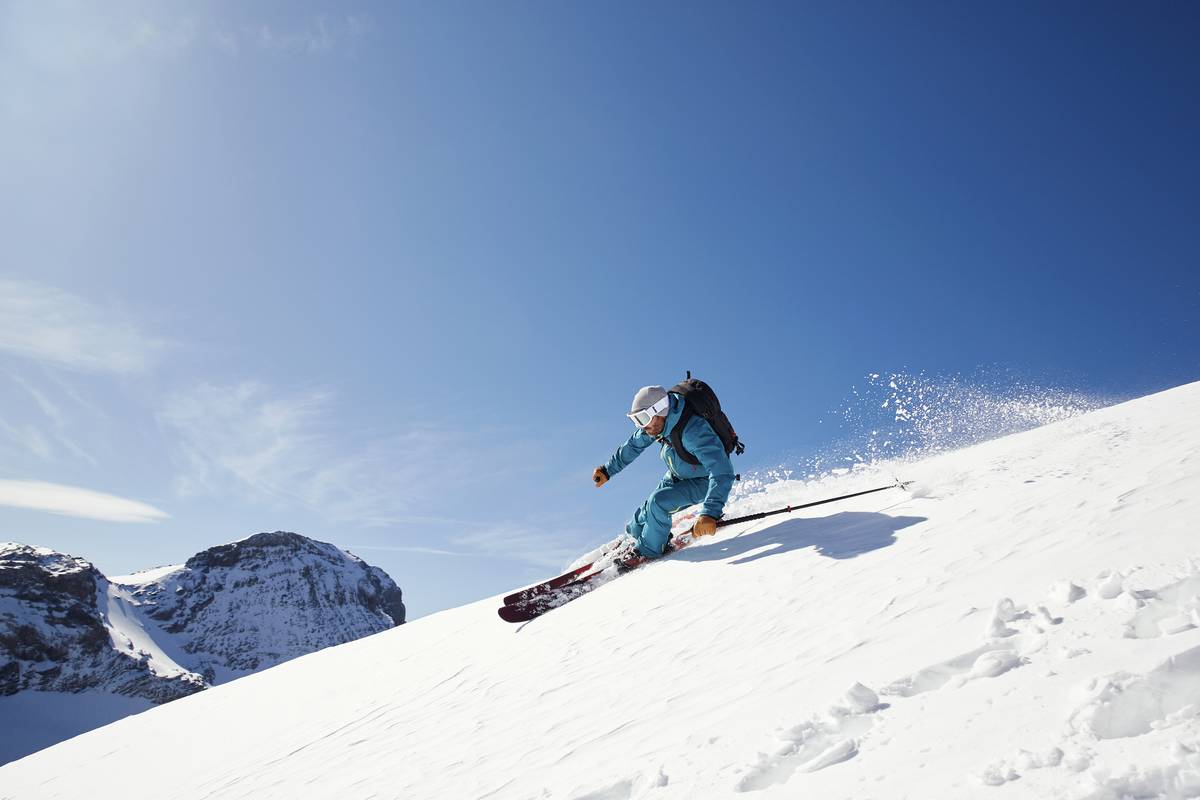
(66,35)
(29,437)
(249,439)
(48,325)
(70,35)
(319,35)
(545,542)
(48,407)
(549,545)
(73,501)
(399,548)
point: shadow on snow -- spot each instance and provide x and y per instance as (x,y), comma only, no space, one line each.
(844,535)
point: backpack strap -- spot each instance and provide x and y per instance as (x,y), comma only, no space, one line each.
(677,433)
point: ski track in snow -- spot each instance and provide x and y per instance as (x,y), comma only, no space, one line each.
(1025,623)
(1114,706)
(1122,705)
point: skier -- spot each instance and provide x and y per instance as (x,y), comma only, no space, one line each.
(656,413)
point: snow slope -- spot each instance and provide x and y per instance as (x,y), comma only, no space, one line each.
(1024,623)
(130,630)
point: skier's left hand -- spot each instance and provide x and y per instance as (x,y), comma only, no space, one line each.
(705,526)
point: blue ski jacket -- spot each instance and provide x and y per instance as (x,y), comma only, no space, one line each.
(700,440)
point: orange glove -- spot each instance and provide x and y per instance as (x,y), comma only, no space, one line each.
(705,526)
(600,476)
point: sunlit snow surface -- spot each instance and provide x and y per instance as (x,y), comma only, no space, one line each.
(1025,622)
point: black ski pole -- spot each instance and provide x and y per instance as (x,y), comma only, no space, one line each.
(788,509)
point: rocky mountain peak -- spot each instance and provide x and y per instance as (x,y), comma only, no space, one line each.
(161,634)
(265,547)
(55,636)
(38,570)
(259,601)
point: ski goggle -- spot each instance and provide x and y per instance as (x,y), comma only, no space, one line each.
(642,418)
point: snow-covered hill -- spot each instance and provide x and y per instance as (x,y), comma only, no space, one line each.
(1024,623)
(117,646)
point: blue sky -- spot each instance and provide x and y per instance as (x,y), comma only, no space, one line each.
(388,274)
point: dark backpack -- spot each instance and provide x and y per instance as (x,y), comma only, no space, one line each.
(699,399)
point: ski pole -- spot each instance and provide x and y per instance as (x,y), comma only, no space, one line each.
(751,517)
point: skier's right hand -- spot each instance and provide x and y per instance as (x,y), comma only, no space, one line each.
(600,476)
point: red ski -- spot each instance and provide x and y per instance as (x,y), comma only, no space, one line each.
(531,603)
(546,587)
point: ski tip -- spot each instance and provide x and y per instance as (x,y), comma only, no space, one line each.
(513,614)
(509,614)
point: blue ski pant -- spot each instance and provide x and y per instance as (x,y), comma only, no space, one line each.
(650,525)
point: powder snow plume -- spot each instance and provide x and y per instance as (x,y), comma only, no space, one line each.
(898,417)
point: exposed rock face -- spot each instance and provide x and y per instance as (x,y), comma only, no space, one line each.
(55,638)
(229,611)
(245,606)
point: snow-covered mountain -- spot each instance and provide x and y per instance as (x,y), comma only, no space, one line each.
(55,636)
(120,645)
(1023,623)
(241,607)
